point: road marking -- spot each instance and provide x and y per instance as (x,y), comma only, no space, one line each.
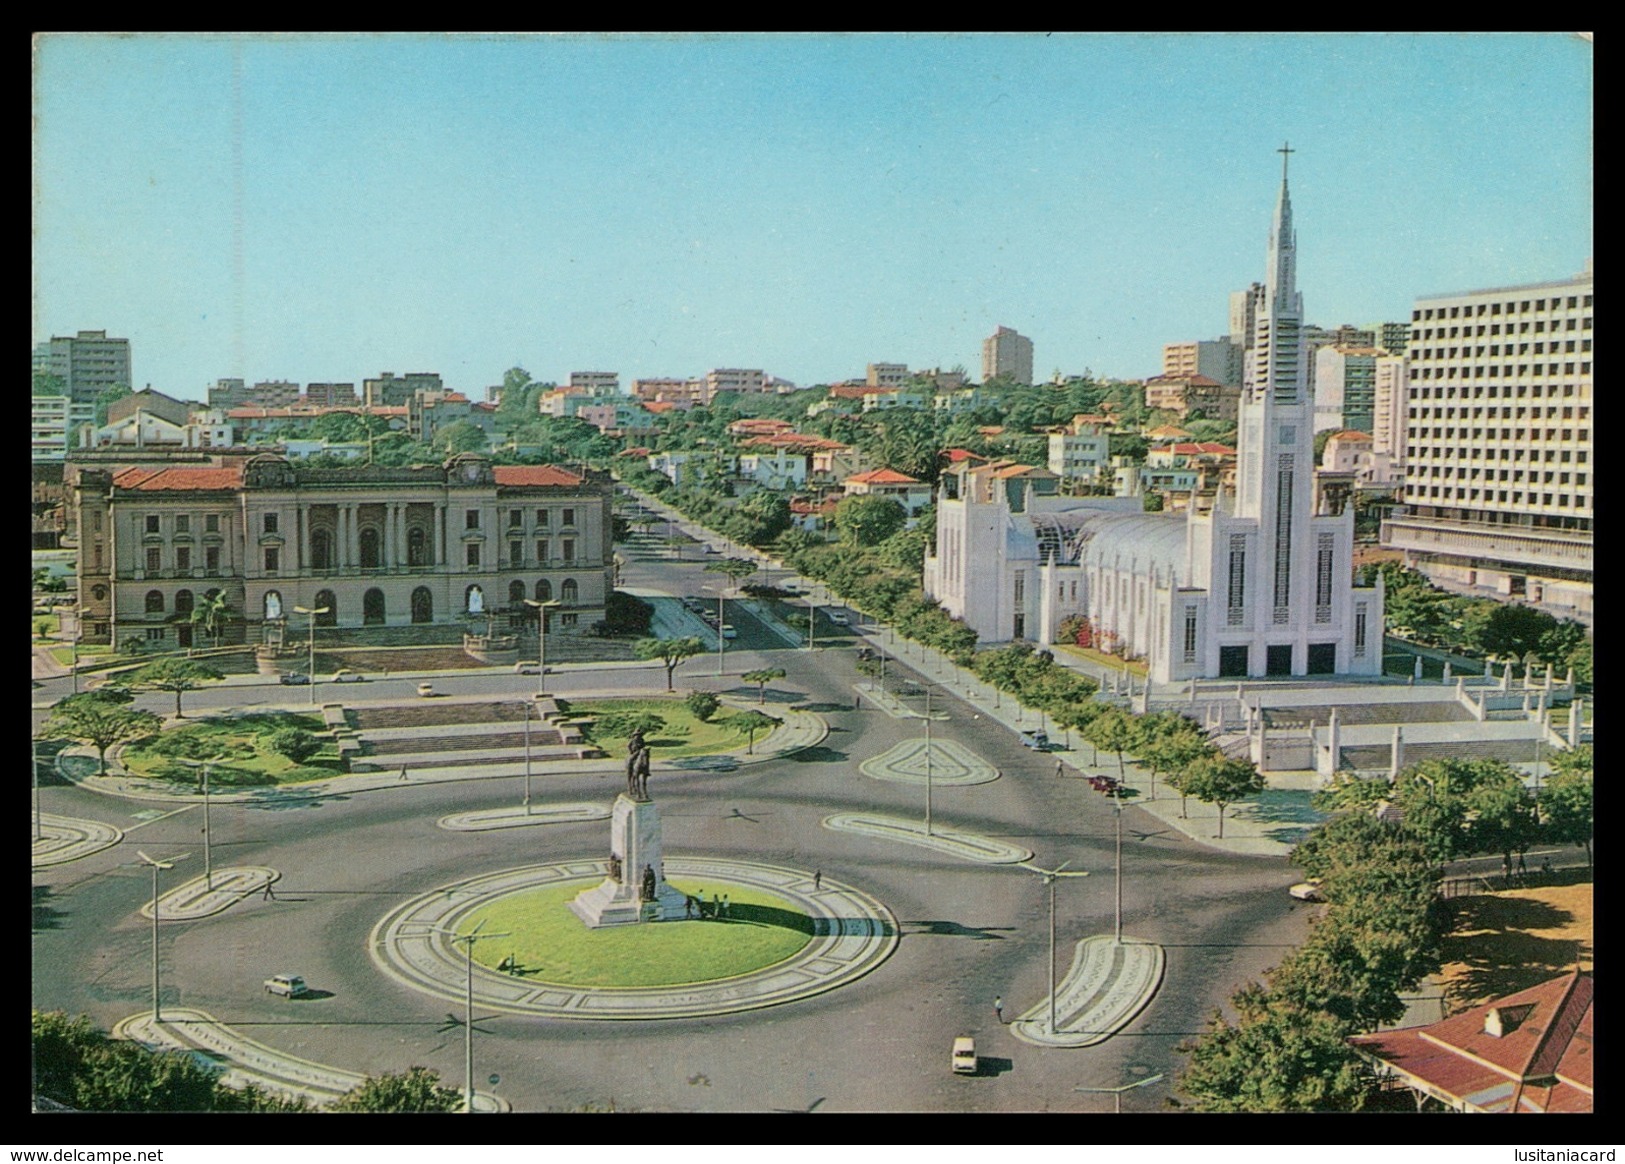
(966,846)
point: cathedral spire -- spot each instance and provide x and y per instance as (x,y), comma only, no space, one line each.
(1281,273)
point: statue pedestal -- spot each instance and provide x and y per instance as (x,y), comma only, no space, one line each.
(634,837)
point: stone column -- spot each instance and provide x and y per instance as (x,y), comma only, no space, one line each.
(355,535)
(1446,677)
(304,549)
(386,546)
(1506,676)
(1576,713)
(1526,701)
(1489,669)
(439,535)
(1548,683)
(1528,672)
(1479,709)
(1416,671)
(1396,757)
(1335,738)
(341,539)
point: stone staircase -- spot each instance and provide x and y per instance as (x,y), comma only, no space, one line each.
(1371,758)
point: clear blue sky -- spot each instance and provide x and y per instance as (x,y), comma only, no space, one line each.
(804,204)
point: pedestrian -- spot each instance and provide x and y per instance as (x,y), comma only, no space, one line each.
(727,906)
(1057,768)
(857,703)
(818,877)
(1545,866)
(688,906)
(269,894)
(998,1008)
(403,771)
(1523,868)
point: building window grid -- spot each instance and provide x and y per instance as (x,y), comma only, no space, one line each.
(1283,539)
(1190,634)
(1323,579)
(1238,580)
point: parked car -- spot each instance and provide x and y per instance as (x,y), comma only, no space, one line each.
(1037,741)
(295,679)
(838,617)
(529,669)
(347,676)
(964,1057)
(287,985)
(728,632)
(1307,891)
(425,689)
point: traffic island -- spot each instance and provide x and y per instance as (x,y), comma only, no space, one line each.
(783,936)
(243,1060)
(946,763)
(520,816)
(965,846)
(205,896)
(1109,983)
(67,838)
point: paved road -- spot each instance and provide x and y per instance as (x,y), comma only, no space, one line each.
(970,931)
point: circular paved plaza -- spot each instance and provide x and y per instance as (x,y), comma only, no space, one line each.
(852,934)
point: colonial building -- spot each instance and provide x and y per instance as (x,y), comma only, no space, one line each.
(378,547)
(1259,582)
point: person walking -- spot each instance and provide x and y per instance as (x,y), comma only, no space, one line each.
(1057,768)
(818,877)
(998,1008)
(269,894)
(403,771)
(1545,866)
(727,906)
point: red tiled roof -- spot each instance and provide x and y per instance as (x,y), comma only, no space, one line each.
(658,406)
(1199,449)
(883,477)
(534,475)
(804,507)
(454,398)
(1350,434)
(1541,1062)
(179,477)
(848,391)
(955,456)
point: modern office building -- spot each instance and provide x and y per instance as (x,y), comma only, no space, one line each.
(1009,354)
(886,375)
(1499,472)
(330,395)
(388,389)
(743,380)
(596,383)
(55,422)
(1184,394)
(425,546)
(1393,338)
(87,364)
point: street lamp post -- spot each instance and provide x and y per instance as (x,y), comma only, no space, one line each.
(203,767)
(33,765)
(1050,876)
(312,612)
(527,706)
(541,607)
(812,615)
(1117,1092)
(157,1016)
(1117,932)
(468,1011)
(928,761)
(75,671)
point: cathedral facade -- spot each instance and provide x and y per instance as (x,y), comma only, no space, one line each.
(1257,583)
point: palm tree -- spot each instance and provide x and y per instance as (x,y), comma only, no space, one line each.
(210,613)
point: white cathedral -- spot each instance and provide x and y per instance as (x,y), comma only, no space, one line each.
(1258,583)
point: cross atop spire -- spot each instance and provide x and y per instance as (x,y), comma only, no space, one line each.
(1286,148)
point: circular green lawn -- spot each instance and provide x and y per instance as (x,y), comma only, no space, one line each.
(550,944)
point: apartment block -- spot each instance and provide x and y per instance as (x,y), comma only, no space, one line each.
(1498,452)
(330,395)
(1345,381)
(1007,353)
(1217,359)
(389,390)
(886,375)
(87,363)
(596,383)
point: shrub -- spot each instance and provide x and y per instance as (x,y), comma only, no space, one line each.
(295,744)
(702,704)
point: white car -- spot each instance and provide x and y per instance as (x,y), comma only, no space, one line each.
(425,690)
(964,1059)
(838,617)
(1307,891)
(287,985)
(348,677)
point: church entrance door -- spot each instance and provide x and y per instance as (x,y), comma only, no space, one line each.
(1322,658)
(1278,660)
(1232,662)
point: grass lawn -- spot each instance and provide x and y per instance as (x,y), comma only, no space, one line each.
(1517,938)
(683,736)
(52,623)
(551,944)
(243,740)
(1102,658)
(63,655)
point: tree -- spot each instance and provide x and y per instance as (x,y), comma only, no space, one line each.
(177,675)
(109,395)
(1278,1057)
(460,437)
(750,722)
(1176,772)
(1221,781)
(1566,806)
(762,678)
(49,384)
(702,705)
(77,1064)
(1112,731)
(868,520)
(296,744)
(736,569)
(669,651)
(98,718)
(210,614)
(416,1090)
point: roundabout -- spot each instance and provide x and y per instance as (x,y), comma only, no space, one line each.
(785,940)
